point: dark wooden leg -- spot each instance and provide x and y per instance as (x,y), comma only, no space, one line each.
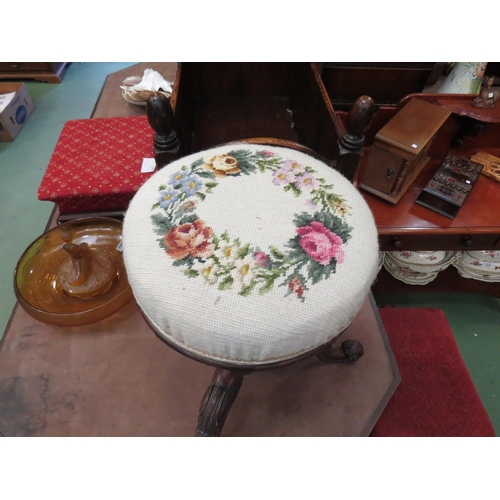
(348,351)
(218,400)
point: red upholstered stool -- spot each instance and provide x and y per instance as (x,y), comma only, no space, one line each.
(96,164)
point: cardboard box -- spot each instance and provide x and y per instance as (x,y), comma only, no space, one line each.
(16,107)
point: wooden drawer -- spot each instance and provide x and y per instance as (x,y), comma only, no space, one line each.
(390,243)
(17,67)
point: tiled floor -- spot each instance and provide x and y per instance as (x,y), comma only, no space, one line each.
(474,319)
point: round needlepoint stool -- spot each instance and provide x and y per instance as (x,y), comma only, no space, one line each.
(249,257)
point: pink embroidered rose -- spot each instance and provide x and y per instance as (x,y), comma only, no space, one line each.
(320,243)
(267,154)
(261,258)
(191,239)
(295,285)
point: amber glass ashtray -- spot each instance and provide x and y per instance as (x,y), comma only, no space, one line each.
(74,274)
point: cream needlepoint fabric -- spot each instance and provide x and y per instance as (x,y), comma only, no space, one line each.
(249,254)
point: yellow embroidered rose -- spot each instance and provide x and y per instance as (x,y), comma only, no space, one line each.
(223,165)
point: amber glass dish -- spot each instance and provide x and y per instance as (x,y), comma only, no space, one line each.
(36,283)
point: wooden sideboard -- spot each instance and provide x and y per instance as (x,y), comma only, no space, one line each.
(51,72)
(408,226)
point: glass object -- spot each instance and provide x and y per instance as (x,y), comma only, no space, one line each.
(74,274)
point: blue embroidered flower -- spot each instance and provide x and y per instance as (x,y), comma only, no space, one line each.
(179,177)
(167,197)
(191,185)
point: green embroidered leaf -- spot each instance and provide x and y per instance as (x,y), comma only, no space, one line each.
(211,184)
(201,196)
(316,271)
(162,243)
(163,224)
(188,219)
(186,261)
(195,164)
(243,251)
(156,205)
(161,187)
(246,291)
(225,236)
(267,287)
(276,253)
(191,273)
(226,283)
(206,174)
(304,219)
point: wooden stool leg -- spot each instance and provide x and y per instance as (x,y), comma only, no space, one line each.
(348,351)
(218,400)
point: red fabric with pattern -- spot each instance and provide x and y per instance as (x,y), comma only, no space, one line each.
(96,164)
(436,396)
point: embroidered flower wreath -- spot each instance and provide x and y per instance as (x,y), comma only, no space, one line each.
(311,256)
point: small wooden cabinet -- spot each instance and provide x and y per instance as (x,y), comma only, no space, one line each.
(399,150)
(51,72)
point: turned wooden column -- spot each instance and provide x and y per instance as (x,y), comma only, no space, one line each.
(350,147)
(162,121)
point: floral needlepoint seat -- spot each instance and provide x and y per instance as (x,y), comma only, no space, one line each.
(248,257)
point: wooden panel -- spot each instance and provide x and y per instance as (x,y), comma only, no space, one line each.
(385,83)
(216,103)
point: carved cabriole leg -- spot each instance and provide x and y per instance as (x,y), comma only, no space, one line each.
(348,351)
(218,400)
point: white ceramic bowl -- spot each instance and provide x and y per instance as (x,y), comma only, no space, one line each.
(433,259)
(480,276)
(485,255)
(488,270)
(408,275)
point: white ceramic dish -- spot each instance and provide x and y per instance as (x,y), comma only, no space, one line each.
(477,266)
(407,275)
(136,103)
(422,258)
(468,273)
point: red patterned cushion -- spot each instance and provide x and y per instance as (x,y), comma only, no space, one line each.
(96,164)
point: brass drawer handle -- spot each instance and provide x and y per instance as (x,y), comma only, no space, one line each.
(15,65)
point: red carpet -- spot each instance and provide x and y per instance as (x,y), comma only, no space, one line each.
(436,396)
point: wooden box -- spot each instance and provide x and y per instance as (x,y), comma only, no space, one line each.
(216,103)
(399,150)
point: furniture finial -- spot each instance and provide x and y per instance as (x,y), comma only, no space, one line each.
(162,121)
(352,141)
